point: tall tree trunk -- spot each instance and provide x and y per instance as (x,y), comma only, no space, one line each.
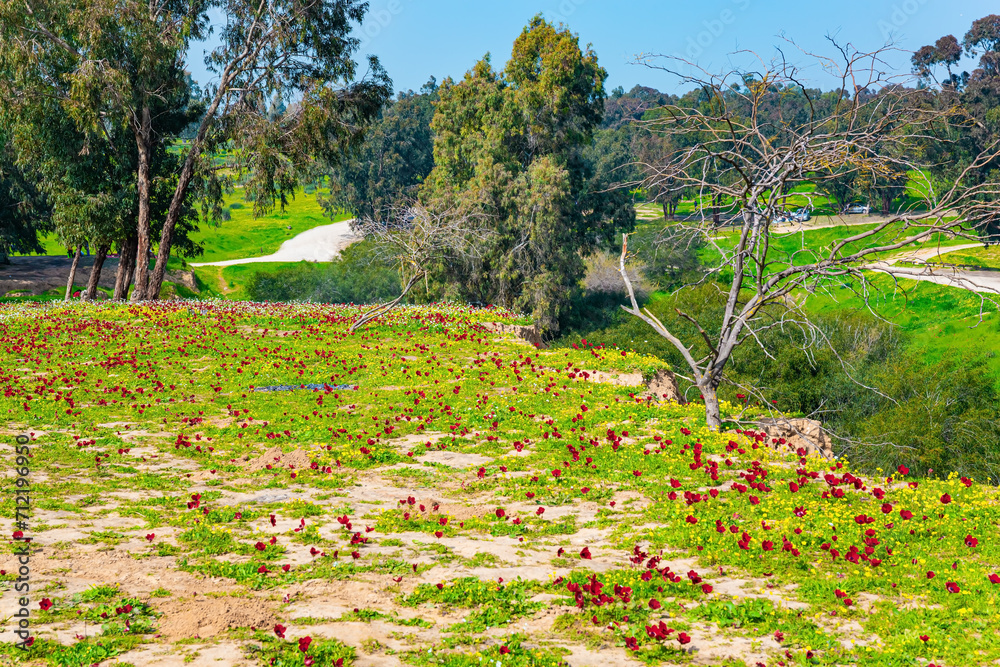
(183,183)
(715,209)
(142,140)
(713,418)
(72,274)
(167,235)
(126,264)
(95,272)
(141,264)
(666,211)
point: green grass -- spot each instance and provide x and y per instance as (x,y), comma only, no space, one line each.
(810,245)
(246,236)
(988,258)
(941,321)
(243,235)
(229,282)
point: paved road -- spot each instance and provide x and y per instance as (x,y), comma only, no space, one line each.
(825,222)
(319,244)
(977,281)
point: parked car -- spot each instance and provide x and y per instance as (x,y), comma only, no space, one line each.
(858,208)
(799,215)
(802,215)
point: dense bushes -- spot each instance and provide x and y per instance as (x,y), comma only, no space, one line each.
(358,276)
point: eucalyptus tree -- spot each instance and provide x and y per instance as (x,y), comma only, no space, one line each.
(509,153)
(392,163)
(24,211)
(290,51)
(121,64)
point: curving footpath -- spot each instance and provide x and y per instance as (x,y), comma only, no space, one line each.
(977,281)
(319,244)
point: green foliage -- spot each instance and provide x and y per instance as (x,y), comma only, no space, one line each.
(268,649)
(99,593)
(889,403)
(509,152)
(395,158)
(23,210)
(512,652)
(359,275)
(492,605)
(938,417)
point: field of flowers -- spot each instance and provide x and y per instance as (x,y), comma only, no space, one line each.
(451,496)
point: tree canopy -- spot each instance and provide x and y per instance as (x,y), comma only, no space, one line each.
(510,150)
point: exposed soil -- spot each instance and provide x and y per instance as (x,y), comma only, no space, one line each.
(200,616)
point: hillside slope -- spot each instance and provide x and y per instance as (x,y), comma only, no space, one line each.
(455,496)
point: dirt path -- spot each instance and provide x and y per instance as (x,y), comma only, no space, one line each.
(977,281)
(826,222)
(36,274)
(924,254)
(320,244)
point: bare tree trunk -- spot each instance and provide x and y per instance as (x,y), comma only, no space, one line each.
(713,417)
(95,272)
(72,274)
(142,139)
(382,309)
(666,211)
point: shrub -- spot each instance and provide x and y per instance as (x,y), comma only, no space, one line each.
(358,276)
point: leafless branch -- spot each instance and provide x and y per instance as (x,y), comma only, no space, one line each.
(740,156)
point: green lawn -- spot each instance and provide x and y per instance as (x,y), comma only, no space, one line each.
(985,257)
(244,235)
(810,245)
(247,236)
(940,320)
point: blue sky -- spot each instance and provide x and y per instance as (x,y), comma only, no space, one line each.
(415,39)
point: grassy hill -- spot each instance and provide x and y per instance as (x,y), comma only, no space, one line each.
(456,496)
(246,236)
(243,235)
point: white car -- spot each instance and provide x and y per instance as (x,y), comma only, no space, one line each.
(864,209)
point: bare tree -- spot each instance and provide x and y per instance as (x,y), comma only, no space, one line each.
(417,239)
(743,155)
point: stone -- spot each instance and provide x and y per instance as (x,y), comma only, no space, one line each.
(663,387)
(531,334)
(799,432)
